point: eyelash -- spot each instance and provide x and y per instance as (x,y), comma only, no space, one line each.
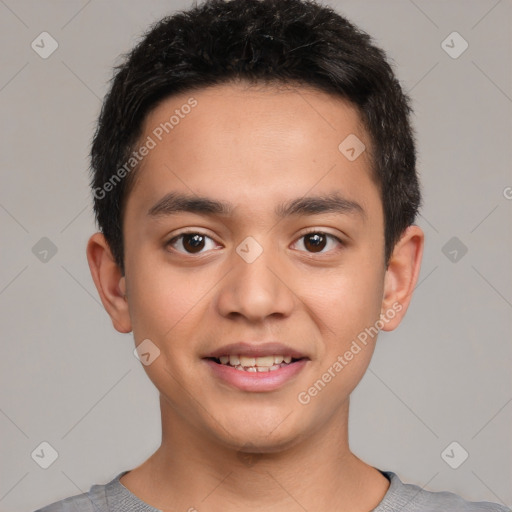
(309,232)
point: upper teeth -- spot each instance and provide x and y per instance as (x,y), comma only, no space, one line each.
(254,361)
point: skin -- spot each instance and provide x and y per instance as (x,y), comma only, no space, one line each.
(255,147)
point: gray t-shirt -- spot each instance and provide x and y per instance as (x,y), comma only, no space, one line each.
(115,497)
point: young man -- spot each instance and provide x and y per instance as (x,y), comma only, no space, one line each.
(254,182)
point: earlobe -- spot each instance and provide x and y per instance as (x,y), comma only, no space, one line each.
(401,276)
(109,281)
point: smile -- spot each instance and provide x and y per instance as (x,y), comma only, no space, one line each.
(256,374)
(263,364)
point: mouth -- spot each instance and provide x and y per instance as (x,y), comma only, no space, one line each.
(255,367)
(262,364)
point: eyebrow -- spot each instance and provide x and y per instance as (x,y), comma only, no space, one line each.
(174,202)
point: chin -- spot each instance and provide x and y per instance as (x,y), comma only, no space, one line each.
(271,436)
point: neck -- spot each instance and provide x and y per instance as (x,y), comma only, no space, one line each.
(191,471)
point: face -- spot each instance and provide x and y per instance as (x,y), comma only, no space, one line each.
(251,240)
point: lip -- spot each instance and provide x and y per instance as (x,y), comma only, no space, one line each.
(256,381)
(256,350)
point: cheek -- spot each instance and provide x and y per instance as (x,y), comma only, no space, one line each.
(345,301)
(167,308)
(164,301)
(346,306)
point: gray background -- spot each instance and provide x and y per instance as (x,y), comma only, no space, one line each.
(68,378)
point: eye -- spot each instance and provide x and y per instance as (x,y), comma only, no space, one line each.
(190,242)
(193,242)
(316,241)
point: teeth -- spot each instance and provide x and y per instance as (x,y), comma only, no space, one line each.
(264,361)
(247,361)
(256,364)
(258,369)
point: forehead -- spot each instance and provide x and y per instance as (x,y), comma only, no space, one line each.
(253,143)
(230,111)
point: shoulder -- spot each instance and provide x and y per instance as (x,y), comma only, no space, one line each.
(93,501)
(410,497)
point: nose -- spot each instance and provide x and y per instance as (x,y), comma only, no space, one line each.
(256,289)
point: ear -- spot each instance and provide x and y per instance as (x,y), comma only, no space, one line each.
(109,281)
(401,276)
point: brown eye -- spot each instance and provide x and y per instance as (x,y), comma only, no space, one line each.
(190,243)
(193,243)
(316,241)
